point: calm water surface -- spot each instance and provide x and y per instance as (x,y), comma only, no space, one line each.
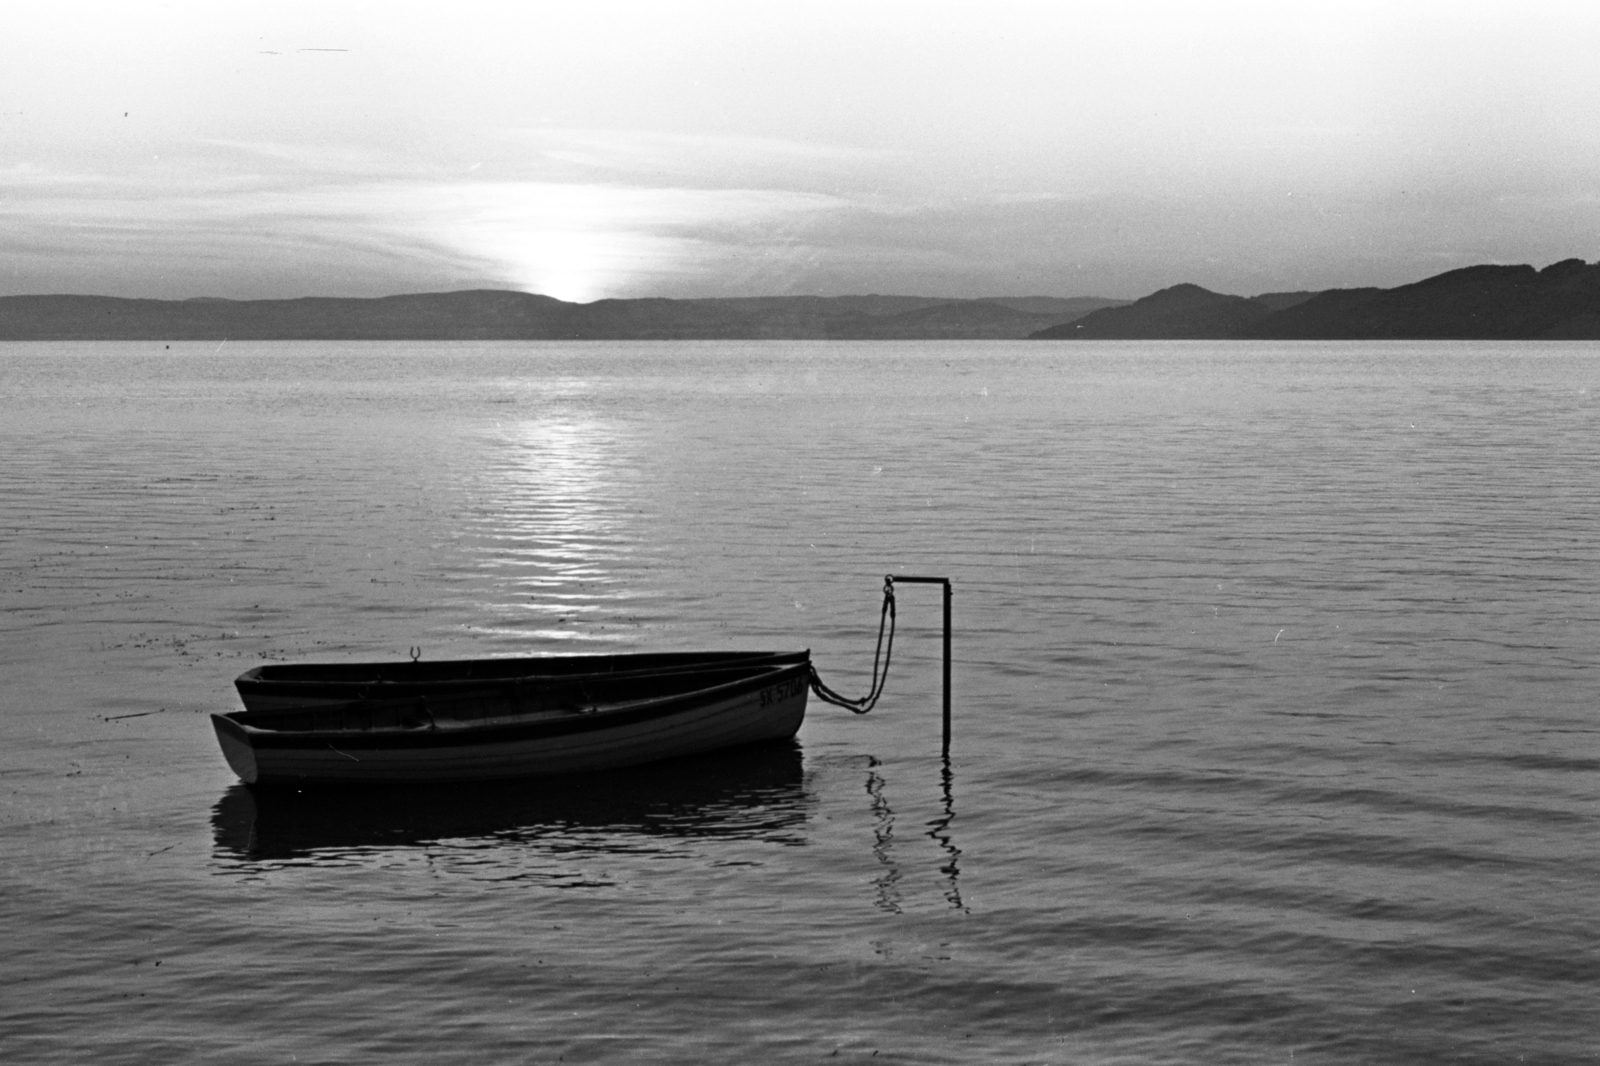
(1275,702)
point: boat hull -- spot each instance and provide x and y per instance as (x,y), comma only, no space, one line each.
(764,704)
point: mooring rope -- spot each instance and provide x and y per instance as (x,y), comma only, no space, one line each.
(884,650)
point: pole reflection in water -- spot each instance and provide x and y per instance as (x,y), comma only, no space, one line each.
(939,831)
(756,793)
(888,894)
(888,890)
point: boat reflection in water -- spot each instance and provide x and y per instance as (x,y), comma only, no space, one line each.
(755,793)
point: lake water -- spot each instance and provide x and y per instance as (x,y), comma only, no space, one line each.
(1275,702)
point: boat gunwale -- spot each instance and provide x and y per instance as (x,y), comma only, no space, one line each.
(251,683)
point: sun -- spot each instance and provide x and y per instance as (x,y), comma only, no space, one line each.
(573,243)
(573,266)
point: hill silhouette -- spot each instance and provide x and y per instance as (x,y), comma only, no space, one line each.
(487,314)
(1560,302)
(1182,312)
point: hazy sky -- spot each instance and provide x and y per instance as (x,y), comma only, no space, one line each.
(591,149)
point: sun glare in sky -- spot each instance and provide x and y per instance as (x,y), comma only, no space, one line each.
(569,242)
(574,265)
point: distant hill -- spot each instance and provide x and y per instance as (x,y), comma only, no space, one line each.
(480,314)
(1278,301)
(1183,312)
(968,319)
(1054,305)
(498,315)
(1560,302)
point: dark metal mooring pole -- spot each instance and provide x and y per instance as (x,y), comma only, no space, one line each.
(946,583)
(946,748)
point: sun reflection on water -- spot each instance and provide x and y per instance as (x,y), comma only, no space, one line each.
(557,530)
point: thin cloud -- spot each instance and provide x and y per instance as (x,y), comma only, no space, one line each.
(630,150)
